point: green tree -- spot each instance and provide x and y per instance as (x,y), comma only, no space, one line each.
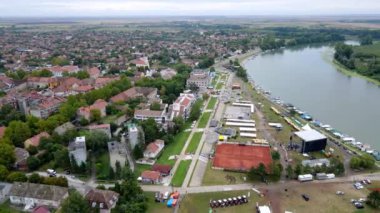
(138,152)
(151,130)
(7,155)
(195,111)
(97,141)
(3,173)
(17,177)
(75,203)
(275,155)
(95,115)
(373,199)
(366,40)
(355,162)
(33,163)
(155,106)
(289,172)
(35,178)
(18,132)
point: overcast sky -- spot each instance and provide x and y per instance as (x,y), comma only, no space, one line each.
(185,7)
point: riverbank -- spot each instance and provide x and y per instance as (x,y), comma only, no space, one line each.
(340,67)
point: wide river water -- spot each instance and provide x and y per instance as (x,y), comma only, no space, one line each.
(307,78)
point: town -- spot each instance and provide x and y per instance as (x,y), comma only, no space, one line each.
(145,116)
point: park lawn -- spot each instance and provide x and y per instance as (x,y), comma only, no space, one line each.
(7,208)
(218,177)
(154,207)
(174,148)
(102,166)
(199,202)
(219,86)
(204,120)
(180,174)
(194,142)
(211,104)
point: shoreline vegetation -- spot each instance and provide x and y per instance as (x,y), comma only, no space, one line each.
(340,67)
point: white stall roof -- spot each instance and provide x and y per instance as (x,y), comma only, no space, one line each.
(248,135)
(240,124)
(247,129)
(310,135)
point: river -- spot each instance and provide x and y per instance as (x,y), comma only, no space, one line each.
(306,77)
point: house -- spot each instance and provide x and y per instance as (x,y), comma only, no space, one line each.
(182,106)
(200,78)
(94,72)
(2,131)
(157,115)
(141,62)
(47,107)
(168,73)
(78,150)
(148,93)
(133,135)
(164,170)
(58,71)
(99,104)
(4,191)
(102,199)
(31,194)
(41,82)
(60,130)
(35,140)
(151,177)
(105,128)
(21,157)
(154,149)
(6,83)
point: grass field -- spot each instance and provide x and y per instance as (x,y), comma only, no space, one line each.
(204,120)
(6,208)
(218,177)
(139,168)
(174,148)
(321,195)
(181,172)
(102,166)
(200,202)
(154,207)
(211,104)
(194,142)
(219,86)
(368,49)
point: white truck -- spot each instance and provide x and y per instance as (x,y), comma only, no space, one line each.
(51,172)
(305,177)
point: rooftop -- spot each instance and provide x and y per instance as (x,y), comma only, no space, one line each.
(310,135)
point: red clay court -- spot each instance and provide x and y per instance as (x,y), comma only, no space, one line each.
(241,158)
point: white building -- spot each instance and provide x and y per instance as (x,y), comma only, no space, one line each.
(77,149)
(133,135)
(31,194)
(182,106)
(158,115)
(154,149)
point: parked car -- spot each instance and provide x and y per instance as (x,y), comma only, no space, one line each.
(359,205)
(339,193)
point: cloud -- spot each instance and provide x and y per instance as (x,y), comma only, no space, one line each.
(185,7)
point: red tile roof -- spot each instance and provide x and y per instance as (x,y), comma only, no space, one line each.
(35,140)
(163,169)
(151,175)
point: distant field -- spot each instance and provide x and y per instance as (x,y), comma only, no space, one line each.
(181,172)
(369,49)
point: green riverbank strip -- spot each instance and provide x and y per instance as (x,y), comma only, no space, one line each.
(181,172)
(352,73)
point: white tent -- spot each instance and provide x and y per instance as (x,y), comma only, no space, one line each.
(306,127)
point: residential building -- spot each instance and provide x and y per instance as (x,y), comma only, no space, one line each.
(105,128)
(58,71)
(4,191)
(35,140)
(6,83)
(32,194)
(102,199)
(153,149)
(158,116)
(118,153)
(133,135)
(168,73)
(41,82)
(21,157)
(141,62)
(41,209)
(182,106)
(147,93)
(200,78)
(94,72)
(164,170)
(60,130)
(99,104)
(78,150)
(47,107)
(151,177)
